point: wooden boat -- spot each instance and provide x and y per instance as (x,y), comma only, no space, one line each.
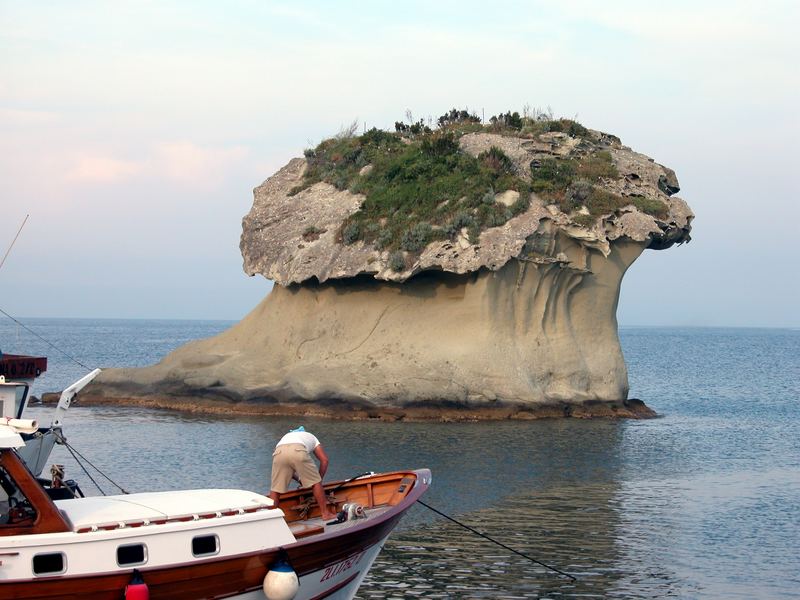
(193,543)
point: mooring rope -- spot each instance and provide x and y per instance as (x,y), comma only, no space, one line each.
(74,452)
(80,464)
(494,541)
(402,563)
(346,481)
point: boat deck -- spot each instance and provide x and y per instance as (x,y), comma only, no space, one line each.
(315,526)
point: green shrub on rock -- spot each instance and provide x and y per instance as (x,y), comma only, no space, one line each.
(456,116)
(496,160)
(577,195)
(397,261)
(351,233)
(416,237)
(597,166)
(651,206)
(508,120)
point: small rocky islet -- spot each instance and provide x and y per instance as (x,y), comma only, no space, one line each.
(465,271)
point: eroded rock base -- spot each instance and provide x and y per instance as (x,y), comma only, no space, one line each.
(537,337)
(444,413)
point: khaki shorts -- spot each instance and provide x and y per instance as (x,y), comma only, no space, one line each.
(292,458)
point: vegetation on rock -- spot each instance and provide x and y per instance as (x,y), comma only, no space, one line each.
(419,186)
(574,183)
(311,233)
(416,190)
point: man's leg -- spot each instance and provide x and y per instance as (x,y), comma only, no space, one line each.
(319,495)
(281,474)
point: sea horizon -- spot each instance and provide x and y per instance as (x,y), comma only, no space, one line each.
(229,320)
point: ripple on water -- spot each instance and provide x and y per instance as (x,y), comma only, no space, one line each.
(699,504)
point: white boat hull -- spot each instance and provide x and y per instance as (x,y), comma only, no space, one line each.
(339,581)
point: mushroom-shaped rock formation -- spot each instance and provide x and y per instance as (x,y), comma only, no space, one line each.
(473,271)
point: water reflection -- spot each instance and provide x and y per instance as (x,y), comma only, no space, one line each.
(573,529)
(669,507)
(549,489)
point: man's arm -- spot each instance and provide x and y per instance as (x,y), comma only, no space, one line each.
(323,460)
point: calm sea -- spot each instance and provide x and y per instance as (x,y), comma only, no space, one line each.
(703,502)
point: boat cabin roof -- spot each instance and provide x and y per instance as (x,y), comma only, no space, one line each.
(104,512)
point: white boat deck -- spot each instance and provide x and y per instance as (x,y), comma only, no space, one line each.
(100,511)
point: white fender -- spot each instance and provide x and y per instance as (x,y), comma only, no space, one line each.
(281,582)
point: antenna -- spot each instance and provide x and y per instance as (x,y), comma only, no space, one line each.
(5,256)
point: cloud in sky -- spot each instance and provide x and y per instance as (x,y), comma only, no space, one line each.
(177,110)
(101,169)
(183,163)
(180,162)
(195,165)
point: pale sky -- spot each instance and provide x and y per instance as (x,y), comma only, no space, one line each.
(133,134)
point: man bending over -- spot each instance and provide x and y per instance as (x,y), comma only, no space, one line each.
(292,460)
